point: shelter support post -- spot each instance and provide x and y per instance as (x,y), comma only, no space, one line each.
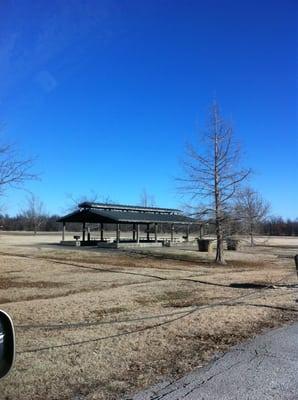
(134,232)
(117,233)
(88,234)
(138,233)
(172,233)
(187,233)
(83,231)
(63,231)
(101,232)
(201,231)
(148,232)
(155,233)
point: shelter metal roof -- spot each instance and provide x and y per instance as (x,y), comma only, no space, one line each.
(145,215)
(123,207)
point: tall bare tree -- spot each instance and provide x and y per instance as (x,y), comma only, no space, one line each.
(212,175)
(251,209)
(34,213)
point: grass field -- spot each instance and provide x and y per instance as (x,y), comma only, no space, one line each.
(95,324)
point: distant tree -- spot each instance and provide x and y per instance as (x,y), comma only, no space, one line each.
(212,174)
(92,197)
(50,223)
(34,214)
(251,209)
(146,199)
(73,200)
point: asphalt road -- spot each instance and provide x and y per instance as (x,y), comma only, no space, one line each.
(264,368)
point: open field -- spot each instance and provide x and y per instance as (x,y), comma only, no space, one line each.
(102,324)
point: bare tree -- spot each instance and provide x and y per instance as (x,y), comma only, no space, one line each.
(251,209)
(146,199)
(34,213)
(212,175)
(14,170)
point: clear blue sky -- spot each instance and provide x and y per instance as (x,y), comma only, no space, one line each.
(107,93)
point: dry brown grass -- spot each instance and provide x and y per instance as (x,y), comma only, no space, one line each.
(141,318)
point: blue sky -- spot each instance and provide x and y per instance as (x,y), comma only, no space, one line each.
(107,93)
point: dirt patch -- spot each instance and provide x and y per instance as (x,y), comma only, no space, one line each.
(6,283)
(44,296)
(109,311)
(260,264)
(182,298)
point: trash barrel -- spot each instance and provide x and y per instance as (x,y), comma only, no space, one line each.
(233,244)
(205,244)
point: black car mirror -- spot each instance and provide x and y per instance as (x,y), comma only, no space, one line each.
(7,343)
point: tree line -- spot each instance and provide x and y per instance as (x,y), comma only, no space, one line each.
(277,226)
(43,222)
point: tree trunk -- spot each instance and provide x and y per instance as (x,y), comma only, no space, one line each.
(219,245)
(218,222)
(252,243)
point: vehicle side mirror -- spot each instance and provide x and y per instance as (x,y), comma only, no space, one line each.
(7,344)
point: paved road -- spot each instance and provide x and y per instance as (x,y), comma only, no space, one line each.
(264,368)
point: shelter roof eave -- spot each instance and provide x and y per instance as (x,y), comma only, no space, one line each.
(99,216)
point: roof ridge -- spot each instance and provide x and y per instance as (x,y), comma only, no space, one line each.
(116,206)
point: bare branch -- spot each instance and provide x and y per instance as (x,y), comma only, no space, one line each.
(14,170)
